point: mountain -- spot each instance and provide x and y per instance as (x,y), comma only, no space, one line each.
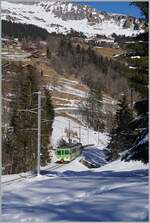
(61,17)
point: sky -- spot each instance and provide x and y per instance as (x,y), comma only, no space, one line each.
(115,7)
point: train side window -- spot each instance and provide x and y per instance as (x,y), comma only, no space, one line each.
(62,152)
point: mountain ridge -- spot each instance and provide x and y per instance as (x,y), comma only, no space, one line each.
(63,16)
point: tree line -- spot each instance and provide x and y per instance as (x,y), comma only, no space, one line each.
(21,31)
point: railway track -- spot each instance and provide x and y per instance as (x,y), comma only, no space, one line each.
(55,167)
(21,177)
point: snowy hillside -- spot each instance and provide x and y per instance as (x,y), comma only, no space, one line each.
(60,16)
(88,136)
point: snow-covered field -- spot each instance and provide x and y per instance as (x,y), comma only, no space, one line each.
(104,194)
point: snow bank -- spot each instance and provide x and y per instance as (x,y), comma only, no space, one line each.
(119,166)
(75,166)
(94,157)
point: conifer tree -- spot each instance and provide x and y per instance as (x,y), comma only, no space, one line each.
(92,110)
(23,121)
(144,7)
(140,148)
(121,134)
(46,128)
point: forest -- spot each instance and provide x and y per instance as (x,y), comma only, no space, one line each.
(19,139)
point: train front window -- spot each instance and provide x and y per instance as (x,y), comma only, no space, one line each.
(58,152)
(66,152)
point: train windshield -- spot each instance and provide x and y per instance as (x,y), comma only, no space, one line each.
(58,152)
(66,152)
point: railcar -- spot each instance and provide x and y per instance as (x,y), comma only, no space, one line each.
(68,153)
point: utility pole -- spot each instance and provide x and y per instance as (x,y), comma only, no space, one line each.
(69,132)
(131,98)
(79,134)
(39,133)
(98,135)
(88,135)
(0,137)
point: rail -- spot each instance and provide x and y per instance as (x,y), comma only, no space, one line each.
(88,145)
(31,175)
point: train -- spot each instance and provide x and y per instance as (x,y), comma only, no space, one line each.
(67,153)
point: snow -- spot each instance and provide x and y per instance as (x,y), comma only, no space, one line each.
(68,89)
(144,140)
(94,156)
(123,166)
(69,7)
(67,108)
(116,55)
(81,195)
(88,136)
(133,57)
(130,42)
(18,177)
(75,166)
(15,56)
(69,81)
(117,191)
(133,68)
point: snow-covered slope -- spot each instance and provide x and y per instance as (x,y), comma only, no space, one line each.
(88,136)
(121,166)
(83,195)
(61,16)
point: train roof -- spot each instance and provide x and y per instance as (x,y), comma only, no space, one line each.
(69,146)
